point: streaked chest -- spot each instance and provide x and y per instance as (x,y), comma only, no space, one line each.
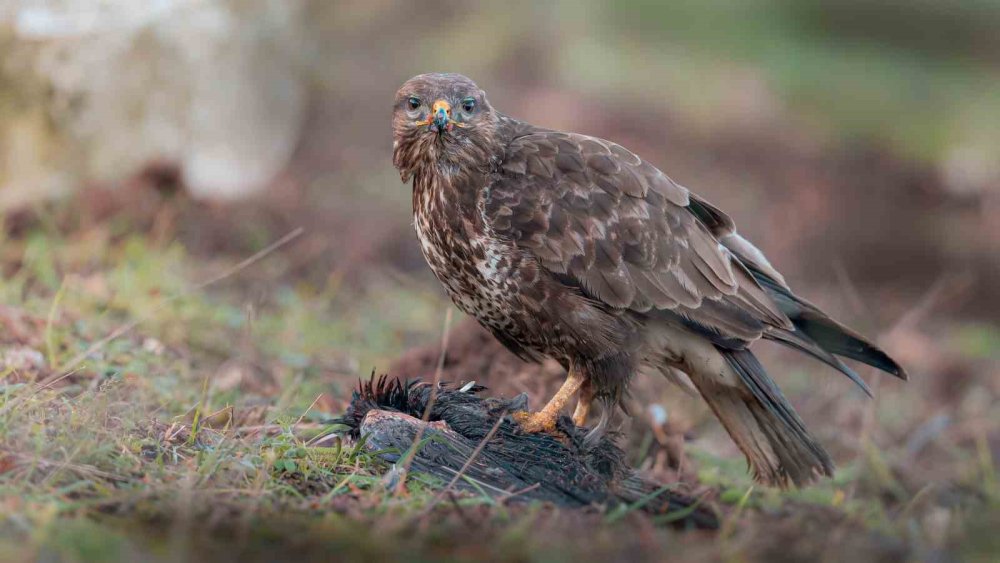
(475,267)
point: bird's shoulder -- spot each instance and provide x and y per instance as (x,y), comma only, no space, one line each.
(574,160)
(601,218)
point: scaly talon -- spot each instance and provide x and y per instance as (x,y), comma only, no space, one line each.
(535,422)
(583,404)
(545,419)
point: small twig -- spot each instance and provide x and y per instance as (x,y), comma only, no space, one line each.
(729,526)
(405,467)
(253,259)
(42,386)
(17,401)
(520,492)
(480,485)
(82,469)
(465,467)
(923,306)
(321,439)
(50,321)
(857,303)
(930,299)
(305,412)
(273,428)
(439,368)
(127,327)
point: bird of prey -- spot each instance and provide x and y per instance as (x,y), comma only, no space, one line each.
(572,247)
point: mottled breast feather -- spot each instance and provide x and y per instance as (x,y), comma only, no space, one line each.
(602,219)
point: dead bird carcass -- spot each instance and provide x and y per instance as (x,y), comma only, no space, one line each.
(567,467)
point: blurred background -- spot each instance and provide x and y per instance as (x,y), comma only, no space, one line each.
(146,145)
(854,133)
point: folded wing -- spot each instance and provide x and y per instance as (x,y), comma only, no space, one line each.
(600,218)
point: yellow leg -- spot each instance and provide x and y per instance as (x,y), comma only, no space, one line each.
(545,419)
(583,404)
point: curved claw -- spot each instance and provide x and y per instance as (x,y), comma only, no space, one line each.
(535,422)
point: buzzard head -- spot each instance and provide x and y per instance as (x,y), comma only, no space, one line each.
(442,123)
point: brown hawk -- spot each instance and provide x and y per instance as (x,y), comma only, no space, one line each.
(572,247)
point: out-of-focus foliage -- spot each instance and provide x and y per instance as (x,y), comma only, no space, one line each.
(92,89)
(922,74)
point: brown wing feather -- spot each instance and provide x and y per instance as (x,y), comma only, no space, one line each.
(598,216)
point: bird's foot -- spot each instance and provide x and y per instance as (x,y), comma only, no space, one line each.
(535,422)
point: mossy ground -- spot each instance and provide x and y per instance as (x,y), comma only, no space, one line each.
(199,434)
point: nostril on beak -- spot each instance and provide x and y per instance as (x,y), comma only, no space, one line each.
(441,117)
(440,114)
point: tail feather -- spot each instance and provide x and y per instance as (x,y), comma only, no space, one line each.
(815,329)
(838,339)
(801,342)
(764,425)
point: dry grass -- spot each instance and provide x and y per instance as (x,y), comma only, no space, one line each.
(200,434)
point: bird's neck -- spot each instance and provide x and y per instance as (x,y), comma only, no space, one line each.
(449,183)
(448,193)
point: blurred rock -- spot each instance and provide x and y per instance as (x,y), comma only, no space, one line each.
(21,358)
(94,92)
(971,172)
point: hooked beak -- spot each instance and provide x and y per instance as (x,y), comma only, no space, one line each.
(440,118)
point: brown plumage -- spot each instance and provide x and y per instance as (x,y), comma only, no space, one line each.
(573,247)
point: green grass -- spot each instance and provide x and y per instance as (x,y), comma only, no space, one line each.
(142,418)
(193,436)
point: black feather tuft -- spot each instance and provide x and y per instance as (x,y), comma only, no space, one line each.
(391,394)
(839,340)
(827,334)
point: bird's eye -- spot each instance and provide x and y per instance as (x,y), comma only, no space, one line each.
(413,102)
(468,104)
